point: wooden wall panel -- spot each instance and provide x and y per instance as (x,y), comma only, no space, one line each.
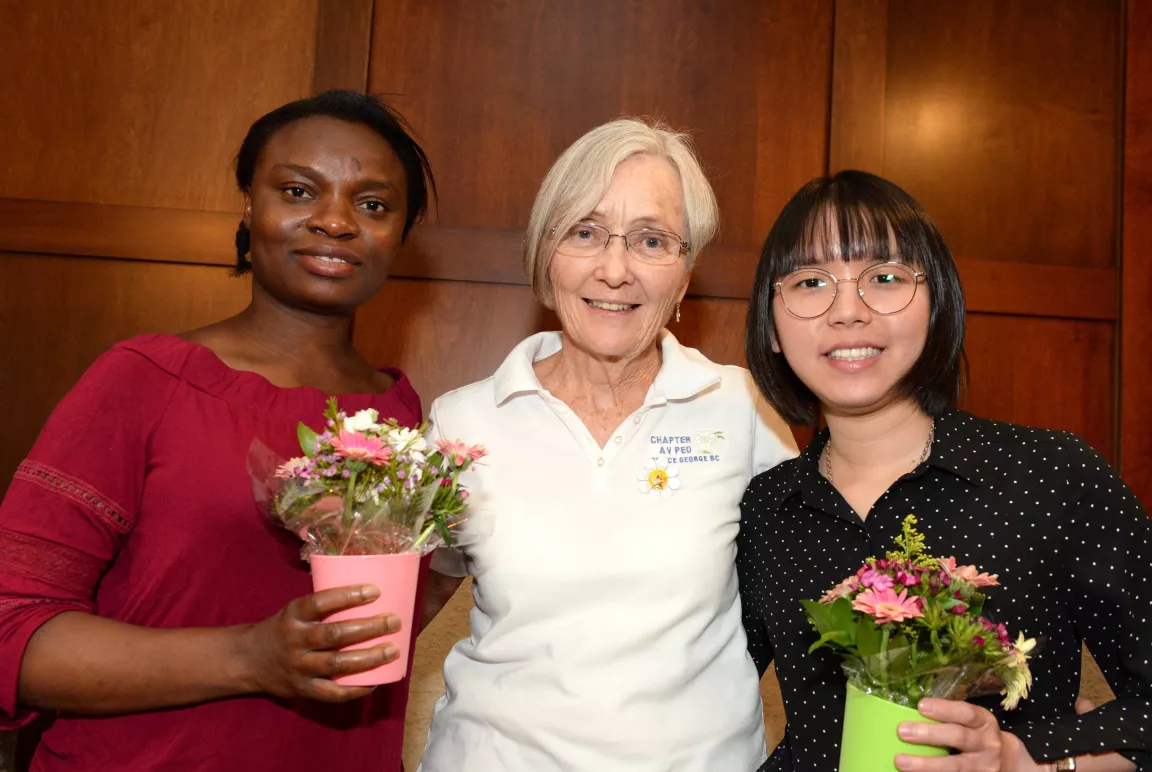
(1002,119)
(58,314)
(498,89)
(1136,320)
(1053,373)
(144,102)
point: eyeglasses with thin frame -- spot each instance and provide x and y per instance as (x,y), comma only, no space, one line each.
(886,288)
(649,245)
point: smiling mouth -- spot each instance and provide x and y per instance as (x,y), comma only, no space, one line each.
(330,259)
(854,354)
(604,306)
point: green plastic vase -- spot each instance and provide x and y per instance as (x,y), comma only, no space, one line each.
(870,742)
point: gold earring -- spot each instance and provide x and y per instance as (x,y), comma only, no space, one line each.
(677,312)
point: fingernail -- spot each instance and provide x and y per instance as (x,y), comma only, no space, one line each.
(391,652)
(369,592)
(926,707)
(906,731)
(391,623)
(901,761)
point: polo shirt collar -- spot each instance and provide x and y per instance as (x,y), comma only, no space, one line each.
(684,372)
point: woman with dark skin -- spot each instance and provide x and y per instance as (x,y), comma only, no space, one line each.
(141,599)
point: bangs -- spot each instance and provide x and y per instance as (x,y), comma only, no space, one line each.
(838,223)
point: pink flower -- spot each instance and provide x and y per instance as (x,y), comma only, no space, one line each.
(294,467)
(976,639)
(887,606)
(969,574)
(877,580)
(453,450)
(959,608)
(361,448)
(477,452)
(907,579)
(842,590)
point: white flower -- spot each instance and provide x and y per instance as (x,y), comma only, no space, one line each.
(657,479)
(405,439)
(364,421)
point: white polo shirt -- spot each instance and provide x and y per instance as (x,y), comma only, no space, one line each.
(606,633)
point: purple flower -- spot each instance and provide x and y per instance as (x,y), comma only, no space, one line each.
(399,474)
(907,579)
(346,474)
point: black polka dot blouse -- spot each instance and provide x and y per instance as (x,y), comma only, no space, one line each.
(1071,543)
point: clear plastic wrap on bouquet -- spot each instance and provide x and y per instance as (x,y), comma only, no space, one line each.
(905,675)
(366,488)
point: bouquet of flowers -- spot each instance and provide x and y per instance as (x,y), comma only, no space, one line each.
(369,487)
(910,626)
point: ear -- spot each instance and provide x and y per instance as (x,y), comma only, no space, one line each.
(248,209)
(773,341)
(680,293)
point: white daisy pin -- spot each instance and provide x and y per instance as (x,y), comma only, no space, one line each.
(657,479)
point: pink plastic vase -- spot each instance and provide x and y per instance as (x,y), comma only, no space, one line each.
(396,576)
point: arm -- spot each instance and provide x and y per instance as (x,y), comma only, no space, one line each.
(61,530)
(81,663)
(1107,561)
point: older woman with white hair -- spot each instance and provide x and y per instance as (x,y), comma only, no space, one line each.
(607,628)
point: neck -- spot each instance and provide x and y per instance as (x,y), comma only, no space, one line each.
(605,383)
(291,334)
(878,441)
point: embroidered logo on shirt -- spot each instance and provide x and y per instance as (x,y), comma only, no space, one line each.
(657,479)
(700,447)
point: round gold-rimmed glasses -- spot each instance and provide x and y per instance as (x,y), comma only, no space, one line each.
(886,288)
(648,245)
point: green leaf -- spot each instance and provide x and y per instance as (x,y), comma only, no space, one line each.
(309,440)
(830,637)
(868,637)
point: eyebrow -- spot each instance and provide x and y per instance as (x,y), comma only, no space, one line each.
(646,221)
(316,176)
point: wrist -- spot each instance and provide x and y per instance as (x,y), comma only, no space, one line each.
(239,668)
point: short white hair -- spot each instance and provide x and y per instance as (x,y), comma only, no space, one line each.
(582,174)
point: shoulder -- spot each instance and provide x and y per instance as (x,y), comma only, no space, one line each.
(475,396)
(1048,447)
(128,372)
(770,488)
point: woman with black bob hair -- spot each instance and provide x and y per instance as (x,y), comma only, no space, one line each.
(145,599)
(857,314)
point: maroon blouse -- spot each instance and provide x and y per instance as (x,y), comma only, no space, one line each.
(135,504)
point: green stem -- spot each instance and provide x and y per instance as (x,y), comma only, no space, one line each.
(884,655)
(423,536)
(349,511)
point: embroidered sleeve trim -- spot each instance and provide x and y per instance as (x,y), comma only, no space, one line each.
(74,573)
(78,491)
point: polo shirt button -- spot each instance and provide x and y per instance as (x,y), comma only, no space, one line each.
(636,420)
(600,461)
(619,440)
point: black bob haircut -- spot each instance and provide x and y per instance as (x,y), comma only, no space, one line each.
(351,107)
(853,215)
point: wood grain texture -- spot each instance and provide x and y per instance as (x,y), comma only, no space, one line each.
(60,313)
(125,232)
(859,80)
(343,45)
(144,102)
(1002,119)
(498,89)
(1050,373)
(1136,303)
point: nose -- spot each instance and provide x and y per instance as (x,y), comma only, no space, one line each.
(848,307)
(614,266)
(335,217)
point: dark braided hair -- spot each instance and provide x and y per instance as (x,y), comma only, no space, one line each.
(352,107)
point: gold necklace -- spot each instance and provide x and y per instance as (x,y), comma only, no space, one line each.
(826,456)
